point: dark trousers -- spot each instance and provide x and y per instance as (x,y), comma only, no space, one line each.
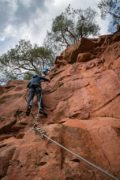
(32,92)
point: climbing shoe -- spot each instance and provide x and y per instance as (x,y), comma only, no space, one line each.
(41,111)
(28,110)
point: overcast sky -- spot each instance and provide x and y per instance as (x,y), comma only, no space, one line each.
(30,19)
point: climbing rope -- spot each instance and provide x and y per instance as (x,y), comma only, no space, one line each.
(43,134)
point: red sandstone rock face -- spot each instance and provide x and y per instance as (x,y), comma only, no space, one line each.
(82,101)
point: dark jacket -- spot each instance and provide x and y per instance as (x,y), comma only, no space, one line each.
(36,81)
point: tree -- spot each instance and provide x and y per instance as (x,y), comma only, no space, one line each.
(25,59)
(70,26)
(86,24)
(63,28)
(111,7)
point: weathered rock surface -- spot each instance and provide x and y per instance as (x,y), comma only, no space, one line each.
(82,101)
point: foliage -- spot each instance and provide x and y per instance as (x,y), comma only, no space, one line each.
(28,76)
(70,26)
(111,7)
(25,59)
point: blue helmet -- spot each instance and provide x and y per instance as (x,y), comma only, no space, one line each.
(45,70)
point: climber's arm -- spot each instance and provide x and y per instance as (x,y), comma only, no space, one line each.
(44,79)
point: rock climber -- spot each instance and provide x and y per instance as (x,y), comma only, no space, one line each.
(34,87)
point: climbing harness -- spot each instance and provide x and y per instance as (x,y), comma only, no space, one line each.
(44,135)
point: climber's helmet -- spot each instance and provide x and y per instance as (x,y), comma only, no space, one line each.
(45,71)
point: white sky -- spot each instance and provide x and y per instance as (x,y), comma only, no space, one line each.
(30,19)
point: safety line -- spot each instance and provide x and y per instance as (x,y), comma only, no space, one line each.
(43,133)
